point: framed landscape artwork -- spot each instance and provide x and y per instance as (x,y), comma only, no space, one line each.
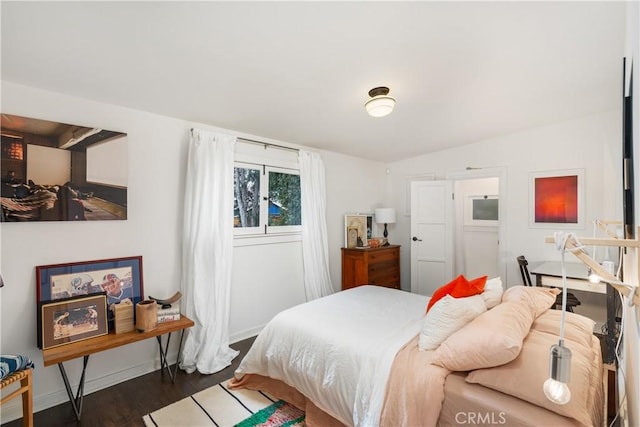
(556,199)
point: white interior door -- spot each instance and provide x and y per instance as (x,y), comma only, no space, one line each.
(432,255)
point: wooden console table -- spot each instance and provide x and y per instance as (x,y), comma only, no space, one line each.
(84,348)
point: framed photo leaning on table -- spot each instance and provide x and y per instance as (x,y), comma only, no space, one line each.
(72,319)
(119,278)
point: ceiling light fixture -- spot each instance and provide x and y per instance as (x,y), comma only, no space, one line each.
(380,104)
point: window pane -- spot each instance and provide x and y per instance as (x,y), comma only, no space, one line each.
(284,199)
(246,197)
(485,209)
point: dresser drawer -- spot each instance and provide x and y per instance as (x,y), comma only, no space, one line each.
(389,276)
(383,255)
(382,266)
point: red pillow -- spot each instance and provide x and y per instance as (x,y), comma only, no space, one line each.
(459,287)
(469,288)
(442,291)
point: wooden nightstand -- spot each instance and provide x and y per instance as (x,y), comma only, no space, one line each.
(371,266)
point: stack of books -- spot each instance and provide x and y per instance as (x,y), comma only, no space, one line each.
(169,314)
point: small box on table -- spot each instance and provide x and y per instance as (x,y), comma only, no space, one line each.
(123,316)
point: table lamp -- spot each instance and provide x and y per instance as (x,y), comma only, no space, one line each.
(385,216)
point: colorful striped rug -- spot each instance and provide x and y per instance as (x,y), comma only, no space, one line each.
(221,407)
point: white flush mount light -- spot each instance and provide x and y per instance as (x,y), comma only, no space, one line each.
(380,104)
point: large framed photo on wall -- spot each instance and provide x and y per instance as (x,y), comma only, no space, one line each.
(55,171)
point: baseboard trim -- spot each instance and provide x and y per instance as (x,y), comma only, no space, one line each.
(247,333)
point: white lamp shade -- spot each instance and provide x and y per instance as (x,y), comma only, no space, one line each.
(380,106)
(385,215)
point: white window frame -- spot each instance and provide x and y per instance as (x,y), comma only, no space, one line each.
(265,230)
(468,212)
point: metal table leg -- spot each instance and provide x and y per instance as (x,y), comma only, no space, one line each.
(76,401)
(164,363)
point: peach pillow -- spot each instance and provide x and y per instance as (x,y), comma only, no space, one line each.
(538,298)
(491,339)
(492,293)
(444,290)
(577,327)
(524,376)
(447,316)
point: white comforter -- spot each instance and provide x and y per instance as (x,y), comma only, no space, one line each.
(338,350)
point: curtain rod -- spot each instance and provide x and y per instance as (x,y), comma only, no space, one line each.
(265,144)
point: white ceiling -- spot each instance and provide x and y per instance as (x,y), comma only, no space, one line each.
(300,71)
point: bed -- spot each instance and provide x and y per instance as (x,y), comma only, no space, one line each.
(355,358)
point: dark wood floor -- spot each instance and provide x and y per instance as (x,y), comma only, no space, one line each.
(124,404)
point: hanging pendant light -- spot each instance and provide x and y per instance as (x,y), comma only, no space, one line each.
(380,104)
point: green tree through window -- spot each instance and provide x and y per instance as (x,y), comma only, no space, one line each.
(266,199)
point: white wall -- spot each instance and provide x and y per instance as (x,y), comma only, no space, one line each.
(266,278)
(591,143)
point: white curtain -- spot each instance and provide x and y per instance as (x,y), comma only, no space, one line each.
(315,252)
(207,250)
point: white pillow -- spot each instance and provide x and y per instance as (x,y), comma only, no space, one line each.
(492,293)
(447,316)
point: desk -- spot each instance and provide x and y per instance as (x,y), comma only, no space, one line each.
(549,273)
(63,353)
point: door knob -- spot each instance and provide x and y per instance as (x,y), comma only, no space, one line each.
(415,239)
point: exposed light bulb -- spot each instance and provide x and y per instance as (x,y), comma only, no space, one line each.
(593,277)
(555,387)
(556,391)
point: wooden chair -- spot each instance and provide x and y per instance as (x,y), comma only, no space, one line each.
(572,301)
(26,390)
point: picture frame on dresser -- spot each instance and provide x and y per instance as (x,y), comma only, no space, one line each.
(365,225)
(357,222)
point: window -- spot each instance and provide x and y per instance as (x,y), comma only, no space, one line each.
(482,211)
(266,200)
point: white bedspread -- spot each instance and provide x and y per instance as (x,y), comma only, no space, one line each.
(338,350)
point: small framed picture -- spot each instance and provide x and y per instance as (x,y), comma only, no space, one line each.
(73,319)
(352,237)
(357,222)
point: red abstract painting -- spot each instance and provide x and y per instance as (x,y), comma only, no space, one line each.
(556,199)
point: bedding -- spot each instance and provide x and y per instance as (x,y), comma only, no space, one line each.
(342,370)
(353,358)
(446,317)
